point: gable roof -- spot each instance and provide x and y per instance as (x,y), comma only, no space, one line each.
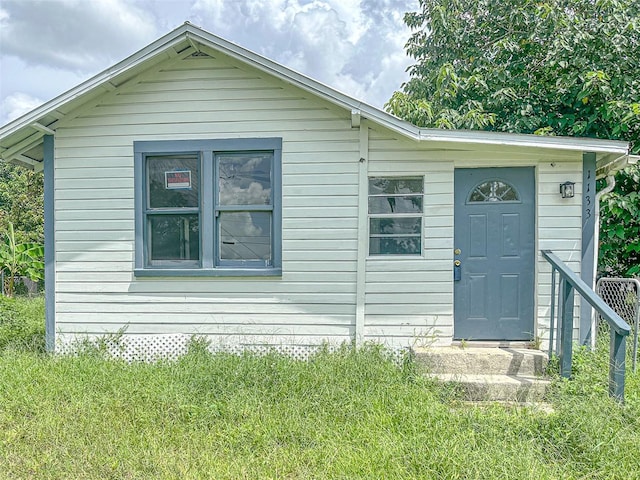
(21,139)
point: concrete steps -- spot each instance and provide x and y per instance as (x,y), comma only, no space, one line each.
(488,374)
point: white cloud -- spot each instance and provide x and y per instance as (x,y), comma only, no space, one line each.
(245,236)
(16,105)
(349,45)
(356,46)
(76,35)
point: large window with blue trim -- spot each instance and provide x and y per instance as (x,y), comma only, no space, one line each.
(208,207)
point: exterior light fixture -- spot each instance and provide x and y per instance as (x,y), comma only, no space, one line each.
(567,190)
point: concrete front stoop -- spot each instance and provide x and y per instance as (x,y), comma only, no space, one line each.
(488,374)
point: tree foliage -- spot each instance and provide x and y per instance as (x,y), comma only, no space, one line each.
(620,226)
(554,67)
(21,202)
(20,259)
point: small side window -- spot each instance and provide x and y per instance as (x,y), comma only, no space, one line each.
(395,215)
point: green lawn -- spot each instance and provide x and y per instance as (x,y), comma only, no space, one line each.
(341,415)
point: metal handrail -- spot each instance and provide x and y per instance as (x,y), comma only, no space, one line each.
(619,328)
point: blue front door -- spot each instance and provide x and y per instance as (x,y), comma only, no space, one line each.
(494,238)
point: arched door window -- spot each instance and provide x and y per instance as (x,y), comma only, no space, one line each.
(493,191)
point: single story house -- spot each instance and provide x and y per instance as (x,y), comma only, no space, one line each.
(199,188)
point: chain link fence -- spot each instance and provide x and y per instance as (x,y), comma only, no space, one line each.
(623,296)
(22,285)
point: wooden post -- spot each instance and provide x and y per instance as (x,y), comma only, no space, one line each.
(552,320)
(566,329)
(617,365)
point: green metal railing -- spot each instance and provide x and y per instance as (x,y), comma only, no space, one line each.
(619,329)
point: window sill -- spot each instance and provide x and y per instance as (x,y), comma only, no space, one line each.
(208,272)
(396,257)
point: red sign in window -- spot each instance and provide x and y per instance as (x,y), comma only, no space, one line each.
(180,179)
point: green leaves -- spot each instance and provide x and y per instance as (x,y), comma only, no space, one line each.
(620,226)
(554,67)
(532,65)
(21,202)
(20,259)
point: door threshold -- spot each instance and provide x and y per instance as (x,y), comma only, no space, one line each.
(492,344)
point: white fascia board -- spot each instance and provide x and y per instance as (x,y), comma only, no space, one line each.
(521,140)
(608,164)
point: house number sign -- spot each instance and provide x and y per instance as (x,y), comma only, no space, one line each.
(588,207)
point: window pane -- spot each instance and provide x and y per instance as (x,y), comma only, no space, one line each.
(379,186)
(387,226)
(174,237)
(245,236)
(245,179)
(494,191)
(174,181)
(395,204)
(394,246)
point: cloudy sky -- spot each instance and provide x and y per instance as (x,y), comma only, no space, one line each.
(49,46)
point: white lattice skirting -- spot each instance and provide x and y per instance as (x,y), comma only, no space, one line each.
(151,348)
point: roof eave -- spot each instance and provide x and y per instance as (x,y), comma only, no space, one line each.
(158,47)
(521,140)
(190,33)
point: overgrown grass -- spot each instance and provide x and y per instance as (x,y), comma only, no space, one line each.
(22,324)
(341,415)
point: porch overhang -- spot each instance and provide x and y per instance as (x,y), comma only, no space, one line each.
(608,164)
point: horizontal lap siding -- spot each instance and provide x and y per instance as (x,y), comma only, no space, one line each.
(410,301)
(560,230)
(205,98)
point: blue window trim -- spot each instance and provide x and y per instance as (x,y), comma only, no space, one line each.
(147,210)
(207,150)
(220,209)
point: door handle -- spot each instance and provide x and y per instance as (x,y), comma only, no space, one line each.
(457,271)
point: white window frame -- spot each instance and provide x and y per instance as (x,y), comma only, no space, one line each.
(371,216)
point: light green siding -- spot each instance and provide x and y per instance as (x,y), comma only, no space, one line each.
(406,301)
(207,98)
(410,301)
